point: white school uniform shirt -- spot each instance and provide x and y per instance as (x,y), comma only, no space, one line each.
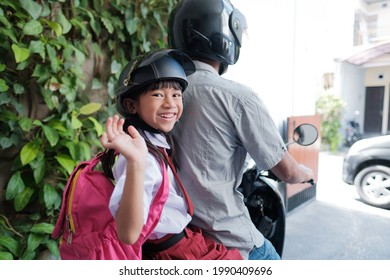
(174,217)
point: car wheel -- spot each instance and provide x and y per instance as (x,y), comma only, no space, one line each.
(373,185)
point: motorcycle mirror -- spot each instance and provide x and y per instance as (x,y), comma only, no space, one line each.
(305,134)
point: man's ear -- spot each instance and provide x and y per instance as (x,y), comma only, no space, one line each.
(129,104)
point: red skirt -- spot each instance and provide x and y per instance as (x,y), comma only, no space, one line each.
(193,246)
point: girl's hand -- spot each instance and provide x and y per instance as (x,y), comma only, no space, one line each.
(132,146)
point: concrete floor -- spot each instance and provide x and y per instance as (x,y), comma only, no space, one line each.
(336,225)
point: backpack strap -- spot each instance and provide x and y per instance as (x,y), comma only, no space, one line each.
(184,191)
(156,207)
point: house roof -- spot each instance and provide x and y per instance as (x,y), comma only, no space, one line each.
(370,55)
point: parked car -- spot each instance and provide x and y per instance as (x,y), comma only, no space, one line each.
(367,166)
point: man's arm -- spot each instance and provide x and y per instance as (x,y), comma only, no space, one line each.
(290,171)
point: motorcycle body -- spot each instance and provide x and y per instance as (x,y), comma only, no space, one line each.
(352,133)
(263,199)
(265,205)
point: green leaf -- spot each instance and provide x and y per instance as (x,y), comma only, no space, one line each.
(6,256)
(90,108)
(15,186)
(11,244)
(98,126)
(51,51)
(25,123)
(38,47)
(80,56)
(108,25)
(39,168)
(5,21)
(66,162)
(22,199)
(31,7)
(33,241)
(3,85)
(132,25)
(29,152)
(116,67)
(94,24)
(85,150)
(51,197)
(6,142)
(73,149)
(21,54)
(144,10)
(42,228)
(56,27)
(9,33)
(96,84)
(53,248)
(58,125)
(28,255)
(33,27)
(37,123)
(76,123)
(66,26)
(18,88)
(51,135)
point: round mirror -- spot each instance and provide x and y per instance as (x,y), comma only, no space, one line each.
(305,134)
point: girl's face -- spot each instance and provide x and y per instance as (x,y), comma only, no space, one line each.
(159,108)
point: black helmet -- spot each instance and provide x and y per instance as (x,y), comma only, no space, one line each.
(209,29)
(167,64)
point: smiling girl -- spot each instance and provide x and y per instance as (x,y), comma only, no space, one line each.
(149,97)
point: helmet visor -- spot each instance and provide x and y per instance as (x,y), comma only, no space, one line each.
(238,25)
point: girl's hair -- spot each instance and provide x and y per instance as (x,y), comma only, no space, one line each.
(109,156)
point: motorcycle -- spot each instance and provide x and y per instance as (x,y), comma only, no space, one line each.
(265,204)
(352,133)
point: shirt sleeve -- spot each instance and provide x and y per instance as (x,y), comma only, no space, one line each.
(152,181)
(258,133)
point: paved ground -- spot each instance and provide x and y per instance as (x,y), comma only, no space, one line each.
(336,225)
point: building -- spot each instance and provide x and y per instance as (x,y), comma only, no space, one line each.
(362,77)
(289,59)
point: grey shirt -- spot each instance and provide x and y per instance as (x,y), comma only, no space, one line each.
(222,122)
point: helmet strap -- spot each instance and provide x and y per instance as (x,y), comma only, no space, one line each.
(137,122)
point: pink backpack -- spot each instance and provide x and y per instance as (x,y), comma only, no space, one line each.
(85,225)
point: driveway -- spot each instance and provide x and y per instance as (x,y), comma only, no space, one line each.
(336,225)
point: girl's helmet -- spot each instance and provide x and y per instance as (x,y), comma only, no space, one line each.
(167,64)
(210,29)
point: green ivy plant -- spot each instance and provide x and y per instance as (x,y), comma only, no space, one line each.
(53,106)
(330,106)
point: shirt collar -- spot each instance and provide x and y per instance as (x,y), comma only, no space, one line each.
(204,66)
(157,139)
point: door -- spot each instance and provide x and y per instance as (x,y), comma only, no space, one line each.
(297,194)
(388,116)
(373,112)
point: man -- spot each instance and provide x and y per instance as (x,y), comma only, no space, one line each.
(223,121)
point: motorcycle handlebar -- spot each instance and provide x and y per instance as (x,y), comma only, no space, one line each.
(271,175)
(311,182)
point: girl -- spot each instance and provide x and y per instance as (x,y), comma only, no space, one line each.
(149,97)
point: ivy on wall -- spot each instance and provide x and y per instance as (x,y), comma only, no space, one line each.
(59,63)
(330,106)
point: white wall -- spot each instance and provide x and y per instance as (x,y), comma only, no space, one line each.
(350,85)
(266,58)
(290,44)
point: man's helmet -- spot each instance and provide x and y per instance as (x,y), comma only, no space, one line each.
(210,29)
(152,67)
